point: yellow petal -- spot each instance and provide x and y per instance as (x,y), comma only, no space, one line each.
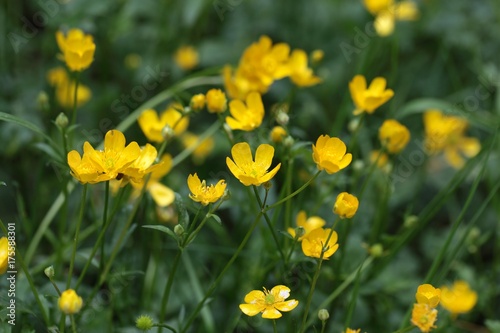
(280,292)
(194,183)
(235,170)
(264,156)
(162,195)
(114,141)
(268,176)
(271,313)
(251,309)
(254,103)
(254,296)
(286,306)
(470,146)
(242,155)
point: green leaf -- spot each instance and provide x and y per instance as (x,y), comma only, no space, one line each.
(49,150)
(161,228)
(181,211)
(19,121)
(215,217)
(493,325)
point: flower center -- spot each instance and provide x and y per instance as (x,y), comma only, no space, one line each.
(269,299)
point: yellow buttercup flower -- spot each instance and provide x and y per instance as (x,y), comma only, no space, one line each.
(459,298)
(277,134)
(153,126)
(248,171)
(69,302)
(110,163)
(203,149)
(65,88)
(77,49)
(142,165)
(346,205)
(162,195)
(216,101)
(204,194)
(268,302)
(309,224)
(260,65)
(423,316)
(427,294)
(380,157)
(186,57)
(246,117)
(329,154)
(447,133)
(369,99)
(4,254)
(316,242)
(197,102)
(300,74)
(394,136)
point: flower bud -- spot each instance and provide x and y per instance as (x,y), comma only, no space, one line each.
(323,314)
(216,101)
(376,250)
(288,141)
(346,205)
(353,125)
(179,230)
(42,101)
(299,232)
(49,272)
(144,323)
(282,118)
(317,56)
(69,302)
(62,121)
(277,134)
(197,102)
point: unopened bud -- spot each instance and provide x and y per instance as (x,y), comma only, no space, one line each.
(49,272)
(42,101)
(282,118)
(300,231)
(179,230)
(288,141)
(62,121)
(323,314)
(376,250)
(353,125)
(267,185)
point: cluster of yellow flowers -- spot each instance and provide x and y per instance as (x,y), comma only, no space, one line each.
(458,299)
(115,162)
(262,63)
(387,12)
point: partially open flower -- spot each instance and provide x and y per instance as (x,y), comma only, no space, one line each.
(204,194)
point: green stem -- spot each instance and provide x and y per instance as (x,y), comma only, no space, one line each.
(268,221)
(342,287)
(315,279)
(75,99)
(28,277)
(75,240)
(294,193)
(165,326)
(214,284)
(104,222)
(274,326)
(404,330)
(73,325)
(168,287)
(100,238)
